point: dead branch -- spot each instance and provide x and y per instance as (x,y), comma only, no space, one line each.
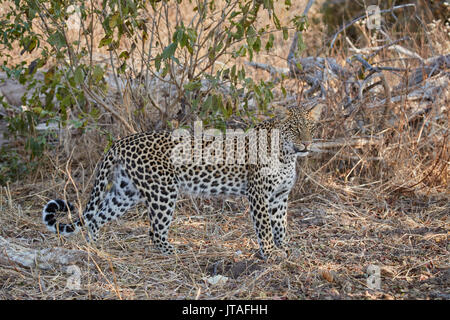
(339,143)
(14,253)
(366,16)
(293,48)
(266,67)
(372,51)
(96,99)
(432,90)
(432,67)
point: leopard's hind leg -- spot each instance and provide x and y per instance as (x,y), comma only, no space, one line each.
(161,206)
(121,196)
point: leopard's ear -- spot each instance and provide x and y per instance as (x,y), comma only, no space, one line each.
(285,112)
(315,111)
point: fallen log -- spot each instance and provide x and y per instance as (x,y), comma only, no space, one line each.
(12,253)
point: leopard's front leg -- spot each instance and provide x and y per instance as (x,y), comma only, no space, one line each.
(259,211)
(278,218)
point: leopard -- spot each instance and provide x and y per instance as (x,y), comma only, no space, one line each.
(141,169)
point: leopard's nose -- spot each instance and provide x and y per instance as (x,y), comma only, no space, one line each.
(306,144)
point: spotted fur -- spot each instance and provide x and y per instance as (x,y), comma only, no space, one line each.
(139,169)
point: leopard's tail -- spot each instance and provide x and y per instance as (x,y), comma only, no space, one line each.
(97,195)
(49,219)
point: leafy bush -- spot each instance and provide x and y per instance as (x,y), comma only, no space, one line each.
(58,40)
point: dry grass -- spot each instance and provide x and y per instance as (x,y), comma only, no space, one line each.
(385,205)
(336,233)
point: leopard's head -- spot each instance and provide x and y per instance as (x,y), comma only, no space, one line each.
(298,127)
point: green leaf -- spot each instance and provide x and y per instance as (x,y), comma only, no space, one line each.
(178,34)
(285,33)
(241,74)
(78,75)
(192,34)
(207,104)
(257,44)
(276,21)
(106,40)
(114,20)
(97,73)
(30,44)
(57,39)
(169,51)
(122,68)
(268,4)
(233,75)
(193,85)
(165,70)
(251,36)
(158,62)
(239,33)
(301,22)
(283,90)
(269,44)
(301,46)
(124,55)
(241,52)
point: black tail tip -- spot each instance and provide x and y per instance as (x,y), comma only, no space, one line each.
(59,205)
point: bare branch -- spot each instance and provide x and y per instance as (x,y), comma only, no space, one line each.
(366,16)
(272,70)
(293,47)
(355,142)
(13,253)
(93,97)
